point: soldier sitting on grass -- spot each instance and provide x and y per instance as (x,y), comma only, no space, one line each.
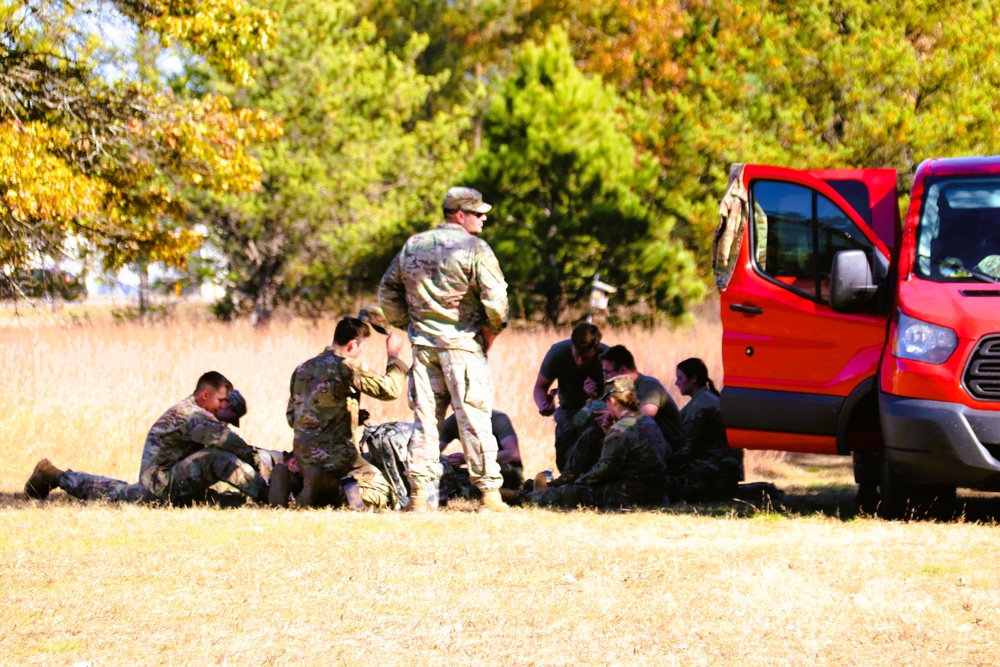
(324,409)
(188,450)
(630,470)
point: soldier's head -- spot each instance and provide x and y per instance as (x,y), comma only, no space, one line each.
(585,339)
(212,391)
(619,394)
(465,206)
(349,337)
(235,407)
(617,360)
(692,375)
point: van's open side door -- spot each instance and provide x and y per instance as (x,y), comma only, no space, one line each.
(791,362)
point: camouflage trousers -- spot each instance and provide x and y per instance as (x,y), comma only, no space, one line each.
(192,476)
(605,496)
(346,461)
(582,455)
(97,487)
(570,427)
(443,377)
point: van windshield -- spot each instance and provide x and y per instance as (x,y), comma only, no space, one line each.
(958,238)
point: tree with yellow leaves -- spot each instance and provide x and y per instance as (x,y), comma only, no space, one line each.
(91,152)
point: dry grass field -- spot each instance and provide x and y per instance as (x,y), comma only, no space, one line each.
(105,585)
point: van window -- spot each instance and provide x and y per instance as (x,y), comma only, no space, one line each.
(959,231)
(804,229)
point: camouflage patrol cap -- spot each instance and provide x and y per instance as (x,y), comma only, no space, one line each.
(619,384)
(238,404)
(465,199)
(375,318)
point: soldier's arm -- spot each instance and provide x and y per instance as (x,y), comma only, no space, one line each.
(290,408)
(612,455)
(212,433)
(392,295)
(493,289)
(694,433)
(383,387)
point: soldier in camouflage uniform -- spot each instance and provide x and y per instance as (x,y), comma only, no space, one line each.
(631,468)
(324,409)
(188,449)
(446,286)
(705,468)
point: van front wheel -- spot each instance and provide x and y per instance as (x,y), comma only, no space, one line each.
(899,499)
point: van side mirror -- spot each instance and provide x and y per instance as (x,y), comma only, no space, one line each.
(851,284)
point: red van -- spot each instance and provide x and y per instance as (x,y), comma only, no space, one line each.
(848,333)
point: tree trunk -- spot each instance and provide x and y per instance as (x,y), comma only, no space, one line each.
(264,299)
(142,268)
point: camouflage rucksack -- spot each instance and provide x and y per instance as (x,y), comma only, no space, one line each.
(386,447)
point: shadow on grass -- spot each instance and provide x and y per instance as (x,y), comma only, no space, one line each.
(830,500)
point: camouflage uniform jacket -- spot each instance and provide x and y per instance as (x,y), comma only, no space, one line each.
(445,285)
(324,402)
(632,458)
(180,432)
(704,434)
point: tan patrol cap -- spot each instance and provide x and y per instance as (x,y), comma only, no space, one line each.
(375,318)
(619,384)
(465,199)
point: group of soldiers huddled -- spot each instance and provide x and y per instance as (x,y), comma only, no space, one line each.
(620,439)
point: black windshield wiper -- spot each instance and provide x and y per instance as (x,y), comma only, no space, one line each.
(957,265)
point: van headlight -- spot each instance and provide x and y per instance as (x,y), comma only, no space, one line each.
(923,341)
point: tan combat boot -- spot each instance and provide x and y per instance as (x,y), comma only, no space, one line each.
(42,480)
(492,502)
(542,480)
(418,500)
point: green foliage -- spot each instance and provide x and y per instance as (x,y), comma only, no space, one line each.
(360,163)
(571,192)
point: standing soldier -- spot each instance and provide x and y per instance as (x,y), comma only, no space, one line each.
(446,287)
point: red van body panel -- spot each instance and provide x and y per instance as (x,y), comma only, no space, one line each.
(796,347)
(797,372)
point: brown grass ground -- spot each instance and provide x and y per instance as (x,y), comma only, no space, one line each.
(118,585)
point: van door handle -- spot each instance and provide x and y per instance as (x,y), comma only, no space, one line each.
(749,310)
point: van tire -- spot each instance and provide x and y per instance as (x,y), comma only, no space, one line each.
(867,474)
(899,499)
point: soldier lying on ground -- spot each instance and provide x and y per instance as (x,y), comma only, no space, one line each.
(705,468)
(188,449)
(575,368)
(324,409)
(455,481)
(630,470)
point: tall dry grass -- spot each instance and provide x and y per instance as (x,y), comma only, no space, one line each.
(85,396)
(104,585)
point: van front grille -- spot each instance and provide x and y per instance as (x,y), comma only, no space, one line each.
(982,373)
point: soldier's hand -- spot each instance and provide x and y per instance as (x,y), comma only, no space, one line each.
(393,344)
(549,406)
(363,416)
(605,419)
(456,458)
(590,387)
